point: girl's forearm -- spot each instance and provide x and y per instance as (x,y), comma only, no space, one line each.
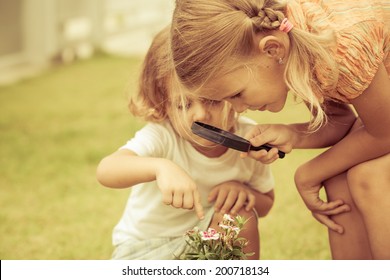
(124,170)
(357,147)
(340,120)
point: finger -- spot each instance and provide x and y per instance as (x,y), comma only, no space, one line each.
(328,206)
(240,202)
(167,198)
(188,201)
(221,197)
(259,155)
(261,139)
(229,202)
(273,153)
(177,200)
(213,194)
(251,201)
(198,205)
(264,156)
(328,222)
(342,209)
(243,155)
(254,132)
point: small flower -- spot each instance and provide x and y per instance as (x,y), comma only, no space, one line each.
(214,245)
(210,234)
(236,229)
(227,217)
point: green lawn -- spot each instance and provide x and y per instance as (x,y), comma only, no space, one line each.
(55,128)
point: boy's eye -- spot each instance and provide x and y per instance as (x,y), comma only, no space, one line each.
(211,102)
(187,105)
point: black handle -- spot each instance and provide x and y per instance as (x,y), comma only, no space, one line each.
(267,148)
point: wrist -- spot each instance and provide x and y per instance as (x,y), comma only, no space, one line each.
(159,166)
(296,136)
(305,176)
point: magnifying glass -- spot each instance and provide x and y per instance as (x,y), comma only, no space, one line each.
(226,138)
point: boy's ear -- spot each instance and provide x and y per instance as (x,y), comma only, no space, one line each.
(272,47)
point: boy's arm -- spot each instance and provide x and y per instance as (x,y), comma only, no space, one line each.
(124,169)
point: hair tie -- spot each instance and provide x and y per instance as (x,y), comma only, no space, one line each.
(286,25)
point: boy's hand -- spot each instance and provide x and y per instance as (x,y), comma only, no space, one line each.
(231,196)
(177,188)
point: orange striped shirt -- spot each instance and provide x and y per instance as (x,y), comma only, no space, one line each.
(362,28)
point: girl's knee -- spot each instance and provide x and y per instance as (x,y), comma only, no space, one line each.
(366,180)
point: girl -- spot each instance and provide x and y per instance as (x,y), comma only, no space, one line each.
(172,171)
(330,53)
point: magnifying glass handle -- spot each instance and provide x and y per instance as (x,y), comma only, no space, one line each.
(267,148)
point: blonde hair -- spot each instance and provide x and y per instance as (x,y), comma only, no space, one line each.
(211,36)
(160,93)
(150,103)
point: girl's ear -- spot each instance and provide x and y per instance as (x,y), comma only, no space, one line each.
(272,46)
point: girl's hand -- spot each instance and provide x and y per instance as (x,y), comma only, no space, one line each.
(328,222)
(320,209)
(279,136)
(231,196)
(177,188)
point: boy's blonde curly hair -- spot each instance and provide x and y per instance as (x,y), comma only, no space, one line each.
(150,103)
(160,95)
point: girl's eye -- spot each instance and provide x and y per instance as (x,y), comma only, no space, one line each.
(238,95)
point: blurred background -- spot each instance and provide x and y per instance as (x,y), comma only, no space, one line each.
(35,34)
(67,68)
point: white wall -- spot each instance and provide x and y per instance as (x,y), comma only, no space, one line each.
(129,26)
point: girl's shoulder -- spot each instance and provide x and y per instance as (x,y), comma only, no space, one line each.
(362,29)
(158,128)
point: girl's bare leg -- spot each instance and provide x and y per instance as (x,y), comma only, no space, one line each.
(353,243)
(369,184)
(250,231)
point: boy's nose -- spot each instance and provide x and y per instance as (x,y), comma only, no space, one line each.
(201,113)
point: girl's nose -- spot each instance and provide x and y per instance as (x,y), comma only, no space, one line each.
(239,107)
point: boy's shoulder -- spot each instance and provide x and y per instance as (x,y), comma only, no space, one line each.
(161,127)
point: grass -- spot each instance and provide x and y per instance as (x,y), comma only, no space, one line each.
(55,128)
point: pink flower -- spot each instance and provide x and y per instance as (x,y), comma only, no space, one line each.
(210,234)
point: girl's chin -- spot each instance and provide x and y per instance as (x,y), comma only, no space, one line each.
(274,108)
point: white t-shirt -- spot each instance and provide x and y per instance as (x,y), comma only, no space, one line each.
(146,216)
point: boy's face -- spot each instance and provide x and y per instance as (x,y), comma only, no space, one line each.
(202,110)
